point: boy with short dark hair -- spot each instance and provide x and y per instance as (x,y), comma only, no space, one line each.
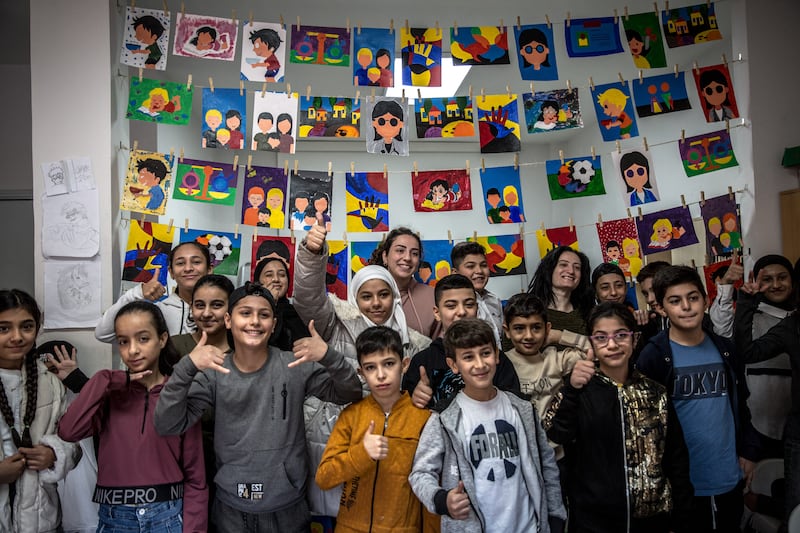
(148,30)
(469,259)
(429,379)
(483,462)
(373,443)
(705,382)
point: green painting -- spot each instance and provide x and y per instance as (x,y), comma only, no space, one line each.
(159,101)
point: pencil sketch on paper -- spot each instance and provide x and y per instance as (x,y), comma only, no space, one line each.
(71,225)
(55,179)
(79,171)
(71,296)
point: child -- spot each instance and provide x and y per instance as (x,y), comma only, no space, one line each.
(613,102)
(265,41)
(284,127)
(209,305)
(628,464)
(213,121)
(429,378)
(255,197)
(167,486)
(483,463)
(469,259)
(706,384)
(151,173)
(373,443)
(263,217)
(32,457)
(540,368)
(148,30)
(257,392)
(493,199)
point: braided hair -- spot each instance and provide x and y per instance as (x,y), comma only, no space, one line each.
(17,299)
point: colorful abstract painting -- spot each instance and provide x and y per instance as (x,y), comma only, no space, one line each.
(146,253)
(501,195)
(329,116)
(274,119)
(263,202)
(388,131)
(659,95)
(159,101)
(552,110)
(280,247)
(263,52)
(643,35)
(336,269)
(535,56)
(367,202)
(712,274)
(444,117)
(374,51)
(145,41)
(707,152)
(435,262)
(689,25)
(441,190)
(666,230)
(592,37)
(575,177)
(146,183)
(360,252)
(223,248)
(320,45)
(421,52)
(205,37)
(498,123)
(614,108)
(310,202)
(715,89)
(550,239)
(479,45)
(722,224)
(505,254)
(636,170)
(205,181)
(224,119)
(619,242)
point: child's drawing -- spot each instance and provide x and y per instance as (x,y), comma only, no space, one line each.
(479,45)
(619,242)
(55,178)
(205,37)
(336,269)
(643,35)
(263,52)
(367,201)
(71,225)
(552,110)
(329,116)
(575,177)
(421,50)
(146,181)
(374,51)
(435,263)
(444,117)
(498,123)
(658,95)
(205,181)
(79,174)
(279,247)
(71,298)
(505,254)
(707,152)
(320,45)
(712,274)
(389,132)
(501,195)
(164,102)
(275,115)
(666,230)
(146,38)
(716,93)
(550,239)
(224,116)
(310,203)
(635,167)
(147,253)
(441,190)
(536,59)
(264,193)
(614,108)
(722,224)
(223,248)
(690,25)
(592,37)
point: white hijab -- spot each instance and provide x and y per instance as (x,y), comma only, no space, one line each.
(397,319)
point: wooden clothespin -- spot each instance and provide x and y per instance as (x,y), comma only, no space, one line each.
(571,225)
(352,167)
(436,25)
(189,82)
(347,26)
(286,166)
(467,167)
(702,198)
(619,147)
(183,9)
(385,171)
(508,91)
(235,162)
(211,83)
(419,93)
(695,67)
(641,77)
(250,18)
(250,162)
(594,153)
(683,136)
(725,60)
(296,163)
(728,125)
(255,233)
(233,17)
(683,201)
(626,14)
(521,230)
(358,96)
(483,164)
(391,26)
(666,5)
(621,79)
(569,17)
(358,27)
(288,90)
(241,87)
(186,225)
(516,161)
(519,23)
(298,23)
(542,228)
(169,227)
(403,95)
(600,220)
(180,157)
(569,86)
(308,92)
(372,94)
(236,231)
(133,3)
(561,156)
(655,7)
(502,26)
(141,71)
(171,154)
(639,213)
(283,23)
(483,95)
(532,88)
(475,235)
(730,192)
(630,217)
(264,90)
(470,92)
(676,70)
(547,19)
(450,236)
(416,170)
(644,141)
(135,145)
(455,28)
(591,83)
(344,238)
(406,27)
(616,16)
(330,169)
(291,235)
(694,265)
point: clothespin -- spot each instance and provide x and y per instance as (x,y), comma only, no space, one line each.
(644,141)
(600,220)
(547,19)
(502,26)
(542,228)
(683,201)
(180,157)
(639,209)
(348,25)
(241,87)
(330,168)
(569,16)
(594,153)
(250,162)
(655,7)
(728,126)
(467,167)
(483,95)
(519,23)
(135,145)
(308,92)
(189,82)
(676,70)
(730,192)
(255,233)
(591,83)
(403,95)
(470,92)
(171,154)
(626,14)
(211,83)
(352,167)
(508,91)
(694,265)
(185,225)
(569,86)
(298,22)
(183,9)
(616,17)
(296,163)
(641,77)
(344,238)
(571,225)
(561,156)
(250,18)
(372,94)
(621,79)
(695,67)
(236,231)
(283,24)
(455,28)
(385,171)
(666,5)
(358,27)
(391,26)
(532,88)
(133,3)
(475,235)
(291,235)
(630,217)
(702,198)
(436,25)
(683,136)
(141,70)
(725,60)
(450,236)
(521,230)
(288,90)
(286,166)
(235,162)
(516,160)
(416,170)
(141,219)
(233,17)
(264,90)
(358,96)
(169,227)
(483,164)
(619,147)
(406,26)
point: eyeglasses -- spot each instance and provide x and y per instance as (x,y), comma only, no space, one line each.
(718,89)
(529,49)
(382,121)
(630,173)
(620,337)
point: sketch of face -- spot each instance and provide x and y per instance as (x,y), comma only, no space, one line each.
(255,199)
(438,192)
(147,178)
(56,176)
(264,125)
(204,41)
(636,47)
(261,49)
(715,94)
(534,53)
(387,126)
(636,176)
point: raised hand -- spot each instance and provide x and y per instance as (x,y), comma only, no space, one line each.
(40,457)
(11,468)
(583,371)
(153,289)
(207,356)
(735,271)
(63,362)
(377,446)
(458,502)
(315,238)
(368,210)
(642,316)
(752,286)
(422,392)
(307,349)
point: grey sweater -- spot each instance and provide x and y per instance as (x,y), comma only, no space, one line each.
(259,435)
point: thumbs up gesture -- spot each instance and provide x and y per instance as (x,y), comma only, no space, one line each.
(153,289)
(315,238)
(207,356)
(422,392)
(377,446)
(311,348)
(583,371)
(458,502)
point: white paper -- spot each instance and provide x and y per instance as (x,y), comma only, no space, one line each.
(79,172)
(55,178)
(71,294)
(71,225)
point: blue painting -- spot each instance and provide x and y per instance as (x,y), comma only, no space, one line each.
(535,55)
(501,197)
(614,108)
(659,95)
(374,52)
(224,114)
(592,37)
(552,110)
(360,253)
(435,263)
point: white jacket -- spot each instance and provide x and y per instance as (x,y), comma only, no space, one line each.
(176,312)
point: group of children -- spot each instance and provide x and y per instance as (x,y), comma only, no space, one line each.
(455,433)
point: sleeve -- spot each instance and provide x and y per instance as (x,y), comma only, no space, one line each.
(335,381)
(772,343)
(506,377)
(721,311)
(310,297)
(561,419)
(550,474)
(427,468)
(298,329)
(76,380)
(344,458)
(568,358)
(67,453)
(195,487)
(82,417)
(184,398)
(647,364)
(104,331)
(574,340)
(676,468)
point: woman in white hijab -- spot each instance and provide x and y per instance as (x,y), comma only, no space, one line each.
(373,299)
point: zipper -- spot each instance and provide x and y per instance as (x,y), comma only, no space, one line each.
(284,393)
(375,479)
(146,403)
(624,460)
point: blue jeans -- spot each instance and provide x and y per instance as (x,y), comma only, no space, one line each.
(159,517)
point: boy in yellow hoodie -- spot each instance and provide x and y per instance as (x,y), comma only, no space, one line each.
(372,446)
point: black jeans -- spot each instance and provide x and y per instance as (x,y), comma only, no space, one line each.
(721,513)
(294,519)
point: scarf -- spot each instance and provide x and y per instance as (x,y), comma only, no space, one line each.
(397,319)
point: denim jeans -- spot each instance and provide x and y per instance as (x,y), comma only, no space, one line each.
(159,517)
(293,519)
